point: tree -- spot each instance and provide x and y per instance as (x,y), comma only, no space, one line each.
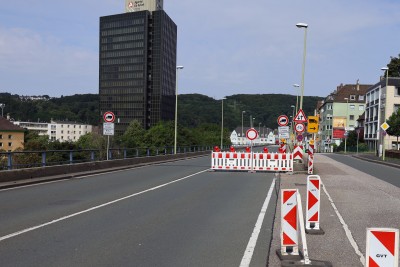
(394,67)
(394,123)
(134,135)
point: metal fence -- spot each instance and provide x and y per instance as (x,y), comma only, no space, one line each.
(32,159)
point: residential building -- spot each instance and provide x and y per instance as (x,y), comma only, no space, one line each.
(58,130)
(137,68)
(339,113)
(381,102)
(11,136)
(265,136)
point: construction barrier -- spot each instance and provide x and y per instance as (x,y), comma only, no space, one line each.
(289,223)
(310,159)
(382,247)
(298,152)
(251,161)
(313,205)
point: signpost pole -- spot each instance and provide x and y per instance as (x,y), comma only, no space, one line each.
(108,145)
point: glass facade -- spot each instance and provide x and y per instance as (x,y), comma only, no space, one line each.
(137,67)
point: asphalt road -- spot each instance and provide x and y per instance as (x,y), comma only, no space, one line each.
(382,172)
(172,214)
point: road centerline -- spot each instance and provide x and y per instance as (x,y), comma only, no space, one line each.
(2,238)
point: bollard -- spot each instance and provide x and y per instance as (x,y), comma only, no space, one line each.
(382,247)
(313,205)
(289,226)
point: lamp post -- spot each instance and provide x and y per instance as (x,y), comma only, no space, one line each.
(222,122)
(345,128)
(304,26)
(291,123)
(242,127)
(2,108)
(176,106)
(296,86)
(386,69)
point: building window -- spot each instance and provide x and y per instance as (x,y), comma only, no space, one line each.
(10,144)
(9,136)
(329,107)
(361,97)
(352,107)
(361,107)
(397,91)
(351,117)
(352,97)
(396,108)
(1,144)
(1,136)
(62,131)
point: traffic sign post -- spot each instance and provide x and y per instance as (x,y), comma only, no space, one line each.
(312,125)
(299,127)
(109,116)
(300,117)
(251,134)
(108,128)
(382,247)
(283,120)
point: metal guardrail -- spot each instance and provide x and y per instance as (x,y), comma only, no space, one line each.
(35,159)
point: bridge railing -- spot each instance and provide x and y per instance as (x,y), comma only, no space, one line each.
(34,159)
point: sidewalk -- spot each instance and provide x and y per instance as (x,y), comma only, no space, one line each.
(361,200)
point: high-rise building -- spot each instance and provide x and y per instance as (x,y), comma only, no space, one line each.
(138,65)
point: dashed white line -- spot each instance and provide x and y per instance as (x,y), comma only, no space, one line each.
(94,208)
(248,253)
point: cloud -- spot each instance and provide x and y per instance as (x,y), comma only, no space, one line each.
(44,65)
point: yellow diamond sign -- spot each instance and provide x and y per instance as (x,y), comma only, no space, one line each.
(385,126)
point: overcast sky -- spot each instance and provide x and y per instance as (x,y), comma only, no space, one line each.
(227,47)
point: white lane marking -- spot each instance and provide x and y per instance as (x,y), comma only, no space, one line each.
(346,228)
(248,253)
(95,208)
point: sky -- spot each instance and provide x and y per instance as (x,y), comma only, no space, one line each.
(227,47)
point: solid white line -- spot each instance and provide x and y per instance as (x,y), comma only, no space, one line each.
(346,228)
(248,253)
(94,208)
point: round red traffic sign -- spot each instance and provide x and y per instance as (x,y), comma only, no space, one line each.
(299,127)
(283,120)
(251,134)
(108,116)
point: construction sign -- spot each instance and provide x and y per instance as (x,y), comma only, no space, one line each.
(312,125)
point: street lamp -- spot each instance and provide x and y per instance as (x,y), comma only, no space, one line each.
(2,108)
(242,126)
(222,122)
(386,69)
(304,26)
(176,106)
(291,123)
(345,129)
(296,86)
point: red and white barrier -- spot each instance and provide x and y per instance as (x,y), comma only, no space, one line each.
(310,159)
(298,152)
(243,161)
(313,203)
(272,162)
(289,222)
(382,247)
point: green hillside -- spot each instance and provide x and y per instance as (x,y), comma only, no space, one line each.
(193,109)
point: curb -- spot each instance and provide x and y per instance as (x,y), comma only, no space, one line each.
(378,161)
(32,181)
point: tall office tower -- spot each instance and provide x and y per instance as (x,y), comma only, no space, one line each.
(138,65)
